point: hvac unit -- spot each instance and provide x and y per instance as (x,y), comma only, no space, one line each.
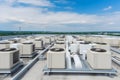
(112,41)
(99,39)
(15,45)
(12,41)
(74,48)
(47,41)
(30,37)
(60,41)
(17,40)
(52,38)
(99,58)
(115,41)
(79,40)
(23,40)
(60,45)
(102,46)
(4,44)
(94,39)
(56,58)
(9,57)
(83,48)
(27,48)
(38,44)
(70,39)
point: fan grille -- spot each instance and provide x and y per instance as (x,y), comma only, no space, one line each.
(98,50)
(57,49)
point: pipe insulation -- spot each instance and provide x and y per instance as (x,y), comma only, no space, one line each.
(68,57)
(77,61)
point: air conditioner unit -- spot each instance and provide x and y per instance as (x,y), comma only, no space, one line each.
(9,57)
(27,48)
(52,38)
(74,48)
(60,41)
(99,58)
(47,41)
(13,41)
(17,40)
(56,58)
(83,48)
(30,37)
(15,45)
(38,44)
(22,40)
(79,40)
(102,46)
(112,41)
(4,44)
(59,45)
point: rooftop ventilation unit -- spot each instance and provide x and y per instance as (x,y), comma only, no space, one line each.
(30,37)
(13,41)
(17,40)
(27,49)
(83,48)
(52,38)
(99,58)
(60,41)
(85,42)
(60,45)
(38,44)
(4,44)
(9,57)
(23,40)
(74,48)
(102,46)
(56,58)
(112,41)
(15,45)
(47,41)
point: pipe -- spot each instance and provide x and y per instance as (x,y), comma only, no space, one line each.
(78,64)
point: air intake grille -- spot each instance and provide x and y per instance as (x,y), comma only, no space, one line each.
(57,49)
(101,43)
(15,57)
(85,42)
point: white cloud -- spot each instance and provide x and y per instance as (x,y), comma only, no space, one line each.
(61,1)
(37,2)
(68,8)
(29,16)
(38,16)
(107,8)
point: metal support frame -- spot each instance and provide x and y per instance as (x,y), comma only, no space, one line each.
(115,60)
(85,69)
(117,51)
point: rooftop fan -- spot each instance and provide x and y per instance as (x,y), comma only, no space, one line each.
(57,49)
(98,50)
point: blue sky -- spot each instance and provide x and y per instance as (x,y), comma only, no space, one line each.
(60,15)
